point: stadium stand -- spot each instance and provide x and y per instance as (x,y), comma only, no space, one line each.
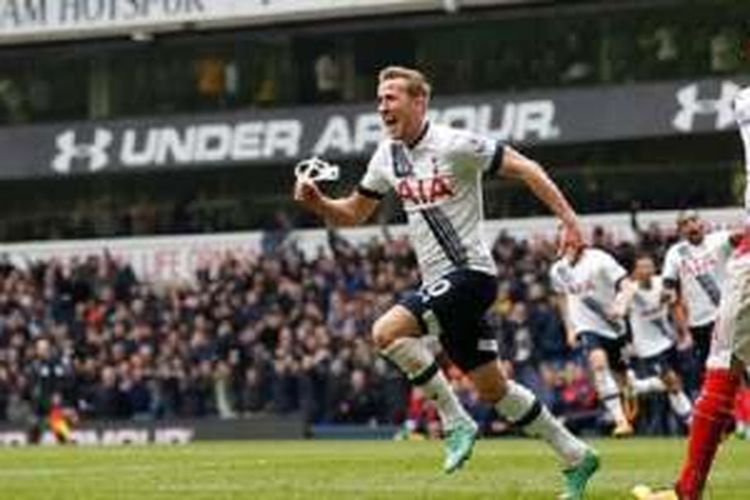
(277,332)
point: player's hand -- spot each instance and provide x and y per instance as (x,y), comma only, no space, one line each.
(572,339)
(573,234)
(571,238)
(668,297)
(307,192)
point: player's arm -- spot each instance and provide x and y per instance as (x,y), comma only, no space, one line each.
(624,298)
(517,166)
(679,313)
(624,288)
(670,276)
(349,211)
(561,301)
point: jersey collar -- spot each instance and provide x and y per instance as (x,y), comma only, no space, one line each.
(413,144)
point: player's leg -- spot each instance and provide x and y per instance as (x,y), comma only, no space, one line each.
(663,377)
(702,347)
(712,417)
(605,383)
(396,335)
(678,399)
(645,385)
(712,414)
(521,407)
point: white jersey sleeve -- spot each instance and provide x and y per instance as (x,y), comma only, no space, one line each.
(375,181)
(476,152)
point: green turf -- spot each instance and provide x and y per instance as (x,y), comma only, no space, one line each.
(313,470)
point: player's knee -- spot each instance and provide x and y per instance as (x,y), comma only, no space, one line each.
(490,383)
(396,323)
(385,330)
(382,333)
(598,360)
(491,393)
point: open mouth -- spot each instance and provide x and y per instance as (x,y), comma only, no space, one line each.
(390,121)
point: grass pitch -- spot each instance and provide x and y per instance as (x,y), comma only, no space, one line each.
(316,470)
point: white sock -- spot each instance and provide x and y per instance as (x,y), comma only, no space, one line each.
(520,406)
(681,405)
(417,362)
(646,385)
(609,393)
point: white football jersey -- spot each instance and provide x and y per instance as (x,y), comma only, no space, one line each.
(700,271)
(590,288)
(653,332)
(438,180)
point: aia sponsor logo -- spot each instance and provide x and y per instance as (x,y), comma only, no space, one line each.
(426,191)
(580,287)
(699,265)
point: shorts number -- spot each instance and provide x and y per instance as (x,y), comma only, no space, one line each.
(438,288)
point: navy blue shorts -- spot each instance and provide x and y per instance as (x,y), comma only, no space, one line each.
(659,364)
(455,308)
(611,347)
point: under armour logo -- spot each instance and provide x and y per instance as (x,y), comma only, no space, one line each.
(693,106)
(95,152)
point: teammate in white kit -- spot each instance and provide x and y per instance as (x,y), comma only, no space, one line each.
(586,281)
(645,303)
(694,269)
(436,172)
(728,359)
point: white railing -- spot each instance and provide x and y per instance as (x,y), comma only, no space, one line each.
(168,258)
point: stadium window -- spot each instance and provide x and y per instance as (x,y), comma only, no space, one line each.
(210,81)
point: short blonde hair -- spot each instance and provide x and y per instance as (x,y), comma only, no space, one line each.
(416,83)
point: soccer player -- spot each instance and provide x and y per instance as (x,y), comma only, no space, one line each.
(643,300)
(693,272)
(728,359)
(586,282)
(436,171)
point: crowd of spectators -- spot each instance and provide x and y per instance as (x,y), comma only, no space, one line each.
(272,332)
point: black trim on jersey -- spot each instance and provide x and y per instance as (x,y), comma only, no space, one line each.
(599,310)
(658,323)
(413,144)
(426,374)
(446,236)
(402,165)
(496,163)
(369,193)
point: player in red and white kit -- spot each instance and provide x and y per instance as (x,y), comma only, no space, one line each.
(728,359)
